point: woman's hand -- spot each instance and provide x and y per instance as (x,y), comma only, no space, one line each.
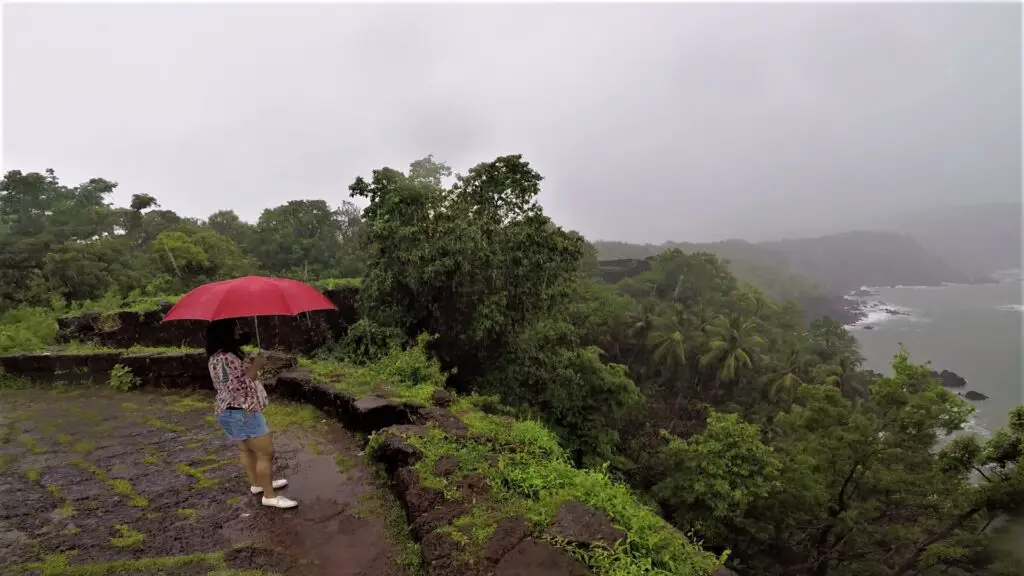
(253,370)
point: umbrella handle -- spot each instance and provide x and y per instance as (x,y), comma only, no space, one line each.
(256,323)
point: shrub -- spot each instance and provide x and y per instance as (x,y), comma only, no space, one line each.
(122,379)
(27,330)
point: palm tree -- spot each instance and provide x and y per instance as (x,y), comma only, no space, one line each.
(668,343)
(843,375)
(734,346)
(785,379)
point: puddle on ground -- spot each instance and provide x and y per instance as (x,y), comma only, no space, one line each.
(323,528)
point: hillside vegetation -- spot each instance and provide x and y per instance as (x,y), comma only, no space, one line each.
(814,267)
(753,433)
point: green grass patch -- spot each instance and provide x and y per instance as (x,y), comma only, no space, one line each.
(84,446)
(533,477)
(332,283)
(282,415)
(154,422)
(149,459)
(344,464)
(118,485)
(32,475)
(341,376)
(31,444)
(407,375)
(234,500)
(199,474)
(189,403)
(66,510)
(60,565)
(127,537)
(187,513)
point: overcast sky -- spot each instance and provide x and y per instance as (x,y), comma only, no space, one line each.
(650,123)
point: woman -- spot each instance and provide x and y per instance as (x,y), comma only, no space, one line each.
(240,401)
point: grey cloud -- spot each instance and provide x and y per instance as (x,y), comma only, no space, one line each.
(650,122)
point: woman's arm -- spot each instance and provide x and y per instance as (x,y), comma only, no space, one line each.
(252,368)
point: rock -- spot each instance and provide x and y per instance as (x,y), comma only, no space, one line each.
(950,379)
(869,327)
(534,558)
(975,396)
(581,524)
(437,518)
(446,465)
(447,421)
(474,485)
(507,535)
(418,498)
(437,545)
(442,398)
(375,412)
(396,453)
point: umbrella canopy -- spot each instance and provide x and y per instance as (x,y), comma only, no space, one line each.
(248,296)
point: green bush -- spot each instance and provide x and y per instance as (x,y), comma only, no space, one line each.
(24,330)
(367,342)
(122,379)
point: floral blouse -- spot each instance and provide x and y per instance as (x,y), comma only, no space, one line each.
(234,390)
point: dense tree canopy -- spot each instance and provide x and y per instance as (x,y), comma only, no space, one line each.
(742,423)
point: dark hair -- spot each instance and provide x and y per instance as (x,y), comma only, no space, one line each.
(220,337)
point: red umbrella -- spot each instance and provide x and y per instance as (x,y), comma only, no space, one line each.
(248,296)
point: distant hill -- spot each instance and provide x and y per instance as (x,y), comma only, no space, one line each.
(978,239)
(766,269)
(847,261)
(815,267)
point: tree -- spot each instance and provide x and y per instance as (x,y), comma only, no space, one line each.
(195,257)
(863,493)
(305,239)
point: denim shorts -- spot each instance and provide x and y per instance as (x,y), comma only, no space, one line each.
(241,425)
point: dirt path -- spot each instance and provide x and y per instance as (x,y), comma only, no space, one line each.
(100,482)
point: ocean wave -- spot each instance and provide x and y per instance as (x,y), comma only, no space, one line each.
(1012,307)
(876,312)
(972,427)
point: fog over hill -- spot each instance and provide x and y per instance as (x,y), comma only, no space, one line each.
(959,244)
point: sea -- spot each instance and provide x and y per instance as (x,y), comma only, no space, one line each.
(976,331)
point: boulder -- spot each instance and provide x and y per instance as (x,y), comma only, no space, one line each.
(539,559)
(950,379)
(442,398)
(974,396)
(507,535)
(580,524)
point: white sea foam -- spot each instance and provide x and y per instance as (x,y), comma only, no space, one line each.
(1012,307)
(877,312)
(972,427)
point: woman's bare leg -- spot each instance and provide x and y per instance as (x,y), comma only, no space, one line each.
(248,459)
(262,448)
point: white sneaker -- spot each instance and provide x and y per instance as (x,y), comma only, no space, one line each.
(277,484)
(279,502)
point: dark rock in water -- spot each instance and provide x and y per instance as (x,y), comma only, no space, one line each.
(893,312)
(862,293)
(950,379)
(975,396)
(869,327)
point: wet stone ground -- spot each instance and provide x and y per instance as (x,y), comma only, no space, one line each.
(100,482)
